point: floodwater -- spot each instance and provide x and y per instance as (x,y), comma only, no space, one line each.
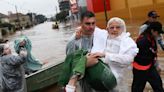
(49,45)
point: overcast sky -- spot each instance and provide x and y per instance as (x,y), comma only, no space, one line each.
(45,7)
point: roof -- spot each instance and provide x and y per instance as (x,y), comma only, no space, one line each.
(3,15)
(16,14)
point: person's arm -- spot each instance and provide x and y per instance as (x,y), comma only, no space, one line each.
(16,46)
(142,28)
(28,43)
(14,60)
(92,60)
(158,67)
(71,45)
(125,57)
(160,42)
(78,33)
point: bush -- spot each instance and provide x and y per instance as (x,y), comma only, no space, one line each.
(4,32)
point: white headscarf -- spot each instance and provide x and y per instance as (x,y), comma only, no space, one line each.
(119,20)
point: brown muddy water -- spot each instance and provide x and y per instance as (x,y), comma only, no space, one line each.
(52,43)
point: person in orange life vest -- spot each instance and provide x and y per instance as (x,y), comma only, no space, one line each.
(143,65)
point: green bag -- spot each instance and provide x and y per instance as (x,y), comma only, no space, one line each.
(100,77)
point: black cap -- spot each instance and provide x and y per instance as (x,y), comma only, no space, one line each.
(153,14)
(156,26)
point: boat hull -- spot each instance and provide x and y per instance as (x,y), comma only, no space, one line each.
(43,78)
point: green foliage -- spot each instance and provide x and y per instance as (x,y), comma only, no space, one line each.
(40,18)
(4,32)
(62,16)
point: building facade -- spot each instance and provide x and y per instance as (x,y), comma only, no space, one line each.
(133,10)
(20,20)
(64,5)
(4,18)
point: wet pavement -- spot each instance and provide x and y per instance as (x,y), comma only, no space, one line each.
(49,45)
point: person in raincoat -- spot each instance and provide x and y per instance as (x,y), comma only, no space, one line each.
(32,64)
(118,52)
(11,70)
(2,41)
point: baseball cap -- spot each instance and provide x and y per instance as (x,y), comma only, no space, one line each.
(153,14)
(157,26)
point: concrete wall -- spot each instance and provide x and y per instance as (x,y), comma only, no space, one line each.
(135,9)
(117,4)
(130,10)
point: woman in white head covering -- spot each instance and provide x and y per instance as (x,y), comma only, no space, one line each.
(119,51)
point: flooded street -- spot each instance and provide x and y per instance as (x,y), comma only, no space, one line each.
(36,19)
(49,45)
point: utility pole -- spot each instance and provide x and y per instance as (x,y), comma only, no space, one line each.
(17,17)
(55,13)
(105,12)
(56,9)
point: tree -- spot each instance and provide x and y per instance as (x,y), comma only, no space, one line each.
(31,15)
(40,18)
(62,16)
(0,21)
